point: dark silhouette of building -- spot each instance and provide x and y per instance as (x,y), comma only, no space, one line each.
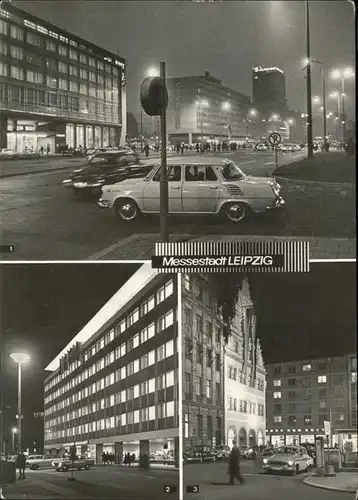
(132,127)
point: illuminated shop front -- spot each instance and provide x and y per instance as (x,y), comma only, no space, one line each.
(280,437)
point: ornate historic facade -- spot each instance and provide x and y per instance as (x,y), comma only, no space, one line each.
(244,377)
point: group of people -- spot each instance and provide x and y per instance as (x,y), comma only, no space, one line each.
(110,458)
(129,459)
(48,149)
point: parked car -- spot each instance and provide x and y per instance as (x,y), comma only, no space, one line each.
(209,186)
(29,154)
(221,452)
(246,451)
(292,459)
(65,464)
(112,168)
(261,147)
(35,462)
(7,154)
(199,453)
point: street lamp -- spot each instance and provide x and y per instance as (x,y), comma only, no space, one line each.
(13,432)
(226,106)
(19,358)
(338,74)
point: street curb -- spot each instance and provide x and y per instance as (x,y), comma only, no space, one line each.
(324,487)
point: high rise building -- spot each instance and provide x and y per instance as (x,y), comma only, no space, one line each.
(57,88)
(302,395)
(244,377)
(114,387)
(269,90)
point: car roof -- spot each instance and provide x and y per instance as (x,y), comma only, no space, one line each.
(194,160)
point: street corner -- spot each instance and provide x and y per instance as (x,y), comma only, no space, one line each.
(344,482)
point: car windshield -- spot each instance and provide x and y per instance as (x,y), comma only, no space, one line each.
(231,172)
(287,450)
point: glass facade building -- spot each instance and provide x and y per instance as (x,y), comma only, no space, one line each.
(56,88)
(114,388)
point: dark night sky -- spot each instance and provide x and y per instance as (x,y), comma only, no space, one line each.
(307,315)
(225,38)
(42,308)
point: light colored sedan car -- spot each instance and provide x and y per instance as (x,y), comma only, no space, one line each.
(207,186)
(35,462)
(292,459)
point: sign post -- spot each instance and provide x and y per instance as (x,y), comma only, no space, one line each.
(275,139)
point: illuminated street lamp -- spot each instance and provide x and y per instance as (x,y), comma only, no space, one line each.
(339,74)
(226,106)
(19,358)
(335,95)
(13,432)
(152,72)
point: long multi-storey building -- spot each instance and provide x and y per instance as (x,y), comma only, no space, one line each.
(302,395)
(114,387)
(203,365)
(56,88)
(244,377)
(201,109)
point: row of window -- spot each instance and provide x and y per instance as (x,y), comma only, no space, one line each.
(306,367)
(243,406)
(148,359)
(109,94)
(306,420)
(321,379)
(18,33)
(32,97)
(163,381)
(199,292)
(159,411)
(337,379)
(234,374)
(123,324)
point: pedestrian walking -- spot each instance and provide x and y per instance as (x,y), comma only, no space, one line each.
(42,149)
(197,147)
(182,148)
(48,149)
(234,465)
(178,148)
(350,147)
(21,464)
(146,149)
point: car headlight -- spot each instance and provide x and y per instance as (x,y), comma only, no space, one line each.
(290,463)
(265,460)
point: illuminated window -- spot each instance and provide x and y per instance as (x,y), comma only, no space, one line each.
(3,27)
(83,74)
(306,368)
(277,419)
(33,39)
(83,58)
(73,54)
(277,395)
(51,46)
(17,73)
(63,84)
(17,33)
(16,52)
(3,69)
(277,383)
(92,62)
(322,379)
(73,87)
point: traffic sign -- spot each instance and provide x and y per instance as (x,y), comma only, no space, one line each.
(327,428)
(275,139)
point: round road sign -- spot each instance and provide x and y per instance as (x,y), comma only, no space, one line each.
(274,139)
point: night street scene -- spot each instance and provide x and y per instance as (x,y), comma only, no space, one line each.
(89,382)
(270,385)
(239,116)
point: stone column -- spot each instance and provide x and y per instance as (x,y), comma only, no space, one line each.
(99,451)
(3,131)
(118,450)
(143,451)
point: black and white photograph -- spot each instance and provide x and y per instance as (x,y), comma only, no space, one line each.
(229,119)
(270,385)
(89,382)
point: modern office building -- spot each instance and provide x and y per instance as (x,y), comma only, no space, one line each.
(302,395)
(203,364)
(269,90)
(114,387)
(56,88)
(244,377)
(201,109)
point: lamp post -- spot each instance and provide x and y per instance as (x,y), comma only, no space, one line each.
(342,75)
(19,358)
(309,88)
(226,106)
(335,95)
(13,432)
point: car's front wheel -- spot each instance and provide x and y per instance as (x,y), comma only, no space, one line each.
(126,210)
(235,211)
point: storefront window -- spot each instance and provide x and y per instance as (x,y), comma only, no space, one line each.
(105,136)
(79,136)
(70,135)
(89,136)
(112,136)
(294,440)
(97,137)
(277,440)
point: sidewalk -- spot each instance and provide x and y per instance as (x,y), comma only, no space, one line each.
(324,167)
(153,465)
(343,481)
(141,246)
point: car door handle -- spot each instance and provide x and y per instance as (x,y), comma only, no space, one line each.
(213,187)
(175,187)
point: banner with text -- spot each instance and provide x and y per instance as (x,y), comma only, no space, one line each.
(232,256)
